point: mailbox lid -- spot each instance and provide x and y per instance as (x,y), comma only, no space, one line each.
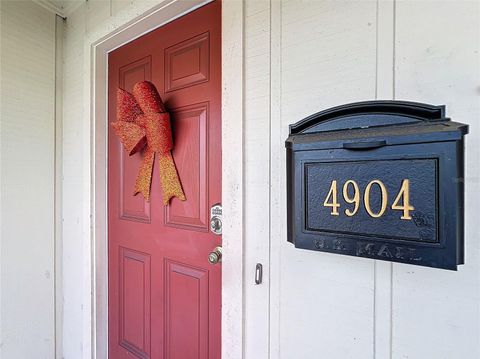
(372,124)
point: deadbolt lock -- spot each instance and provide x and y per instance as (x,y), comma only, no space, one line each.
(216,219)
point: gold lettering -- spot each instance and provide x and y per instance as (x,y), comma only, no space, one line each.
(355,200)
(334,204)
(366,198)
(405,207)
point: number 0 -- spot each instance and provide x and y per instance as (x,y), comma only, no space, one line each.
(366,198)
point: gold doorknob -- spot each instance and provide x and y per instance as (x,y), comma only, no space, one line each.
(215,256)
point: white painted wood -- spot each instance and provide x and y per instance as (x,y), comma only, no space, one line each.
(232,180)
(384,90)
(328,52)
(100,212)
(75,226)
(69,6)
(277,196)
(257,175)
(436,314)
(54,7)
(62,8)
(59,22)
(97,12)
(117,6)
(1,181)
(27,177)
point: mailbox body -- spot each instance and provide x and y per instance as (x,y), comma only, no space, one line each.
(378,179)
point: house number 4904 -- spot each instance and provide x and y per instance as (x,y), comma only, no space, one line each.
(401,202)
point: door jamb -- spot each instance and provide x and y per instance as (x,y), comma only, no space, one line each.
(232,167)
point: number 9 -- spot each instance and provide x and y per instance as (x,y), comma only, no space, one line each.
(348,199)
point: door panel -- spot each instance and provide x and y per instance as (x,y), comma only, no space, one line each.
(132,207)
(164,296)
(134,298)
(186,311)
(187,63)
(191,156)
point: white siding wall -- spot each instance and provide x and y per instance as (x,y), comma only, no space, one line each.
(27,312)
(302,57)
(322,54)
(257,173)
(328,58)
(437,313)
(76,297)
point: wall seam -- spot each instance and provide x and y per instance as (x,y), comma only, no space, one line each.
(393,97)
(394,54)
(1,182)
(275,178)
(269,176)
(376,49)
(55,211)
(374,341)
(55,198)
(383,271)
(243,207)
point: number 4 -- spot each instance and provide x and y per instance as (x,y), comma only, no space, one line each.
(334,204)
(405,207)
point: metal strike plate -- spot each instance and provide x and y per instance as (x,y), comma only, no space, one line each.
(216,219)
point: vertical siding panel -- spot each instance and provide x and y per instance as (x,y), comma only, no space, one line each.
(384,91)
(436,313)
(277,175)
(74,237)
(59,23)
(257,174)
(328,58)
(27,303)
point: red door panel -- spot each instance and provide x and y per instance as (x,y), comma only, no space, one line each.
(131,207)
(134,303)
(164,296)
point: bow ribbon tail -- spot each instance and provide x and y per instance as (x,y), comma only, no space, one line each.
(169,178)
(144,177)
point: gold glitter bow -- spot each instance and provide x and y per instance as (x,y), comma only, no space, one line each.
(143,123)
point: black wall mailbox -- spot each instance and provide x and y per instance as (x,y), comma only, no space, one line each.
(378,179)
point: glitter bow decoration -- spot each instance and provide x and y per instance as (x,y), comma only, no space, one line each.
(143,123)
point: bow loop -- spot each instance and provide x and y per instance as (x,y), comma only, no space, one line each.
(142,122)
(132,136)
(127,107)
(148,98)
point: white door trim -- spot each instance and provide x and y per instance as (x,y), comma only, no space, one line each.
(98,47)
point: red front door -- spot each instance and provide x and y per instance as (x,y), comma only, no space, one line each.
(164,295)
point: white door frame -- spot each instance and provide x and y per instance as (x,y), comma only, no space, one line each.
(98,47)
